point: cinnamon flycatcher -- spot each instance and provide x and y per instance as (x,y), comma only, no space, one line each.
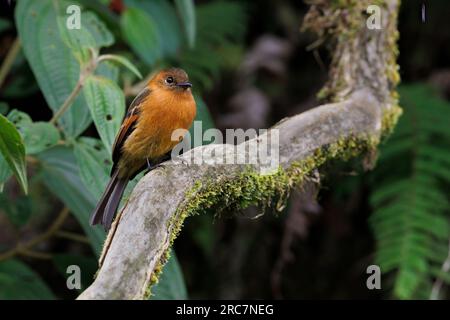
(144,139)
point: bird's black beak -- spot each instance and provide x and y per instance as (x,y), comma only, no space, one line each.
(184,85)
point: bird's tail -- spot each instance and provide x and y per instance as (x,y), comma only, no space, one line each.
(109,202)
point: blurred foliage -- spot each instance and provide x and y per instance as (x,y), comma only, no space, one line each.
(18,281)
(410,196)
(77,72)
(13,150)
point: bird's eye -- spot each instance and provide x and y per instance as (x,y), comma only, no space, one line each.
(169,80)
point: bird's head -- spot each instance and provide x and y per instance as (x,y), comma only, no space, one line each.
(173,79)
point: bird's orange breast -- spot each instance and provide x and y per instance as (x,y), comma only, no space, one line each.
(161,114)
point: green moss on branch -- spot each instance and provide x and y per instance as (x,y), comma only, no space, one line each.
(252,188)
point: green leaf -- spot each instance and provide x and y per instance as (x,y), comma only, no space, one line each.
(186,10)
(203,113)
(20,119)
(37,136)
(97,29)
(171,283)
(88,267)
(40,136)
(62,177)
(108,70)
(52,62)
(93,34)
(139,30)
(94,163)
(5,172)
(20,282)
(123,61)
(407,282)
(204,117)
(166,21)
(107,104)
(13,151)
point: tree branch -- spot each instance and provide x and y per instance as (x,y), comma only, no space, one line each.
(362,107)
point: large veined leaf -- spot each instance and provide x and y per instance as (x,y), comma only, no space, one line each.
(92,34)
(107,104)
(171,284)
(62,176)
(186,10)
(94,163)
(13,151)
(139,29)
(167,25)
(20,119)
(52,62)
(40,136)
(103,10)
(37,136)
(18,281)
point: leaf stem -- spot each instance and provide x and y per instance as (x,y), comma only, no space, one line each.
(68,102)
(9,60)
(72,236)
(84,73)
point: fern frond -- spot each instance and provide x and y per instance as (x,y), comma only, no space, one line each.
(411,204)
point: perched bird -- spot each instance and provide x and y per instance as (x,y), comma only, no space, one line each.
(144,139)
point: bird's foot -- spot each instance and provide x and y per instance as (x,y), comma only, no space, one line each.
(151,166)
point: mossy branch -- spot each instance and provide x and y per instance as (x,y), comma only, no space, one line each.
(363,107)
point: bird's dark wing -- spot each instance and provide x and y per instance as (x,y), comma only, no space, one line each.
(128,124)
